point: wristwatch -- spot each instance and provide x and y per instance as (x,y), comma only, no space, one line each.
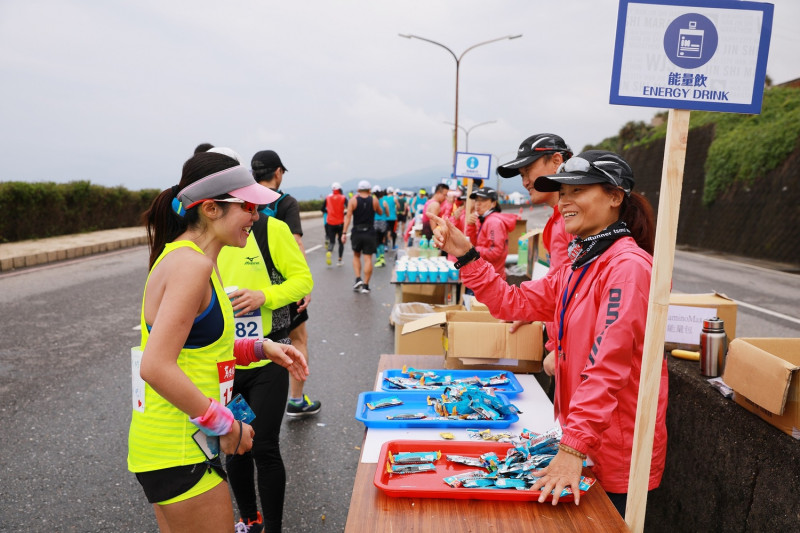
(468,257)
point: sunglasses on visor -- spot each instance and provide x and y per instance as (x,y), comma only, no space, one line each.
(578,164)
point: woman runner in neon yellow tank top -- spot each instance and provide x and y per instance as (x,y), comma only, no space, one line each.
(188,345)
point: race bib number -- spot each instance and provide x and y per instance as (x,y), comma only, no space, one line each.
(137,383)
(226,371)
(249,326)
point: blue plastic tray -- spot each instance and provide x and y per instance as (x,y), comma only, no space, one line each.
(510,389)
(417,402)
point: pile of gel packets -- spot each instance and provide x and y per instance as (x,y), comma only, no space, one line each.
(529,452)
(458,402)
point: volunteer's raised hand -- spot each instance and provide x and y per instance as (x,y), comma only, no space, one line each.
(449,238)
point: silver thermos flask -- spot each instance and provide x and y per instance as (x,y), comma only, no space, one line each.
(713,347)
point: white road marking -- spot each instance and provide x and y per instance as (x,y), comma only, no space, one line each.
(767,311)
(313,248)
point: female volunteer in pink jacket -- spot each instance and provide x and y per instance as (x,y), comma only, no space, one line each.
(599,306)
(490,237)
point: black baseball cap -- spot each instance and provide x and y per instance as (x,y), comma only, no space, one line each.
(266,160)
(592,166)
(532,149)
(484,192)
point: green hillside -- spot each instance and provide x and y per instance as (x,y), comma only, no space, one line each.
(745,147)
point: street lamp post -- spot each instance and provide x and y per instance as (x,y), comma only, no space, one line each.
(458,65)
(467,130)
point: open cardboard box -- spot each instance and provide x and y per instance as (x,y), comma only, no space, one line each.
(476,340)
(425,341)
(763,373)
(685,318)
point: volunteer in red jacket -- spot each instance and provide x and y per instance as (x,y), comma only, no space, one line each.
(491,236)
(599,306)
(539,155)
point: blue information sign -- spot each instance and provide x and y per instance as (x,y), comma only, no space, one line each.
(475,166)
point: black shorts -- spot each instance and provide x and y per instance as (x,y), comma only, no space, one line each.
(401,217)
(295,318)
(167,483)
(364,241)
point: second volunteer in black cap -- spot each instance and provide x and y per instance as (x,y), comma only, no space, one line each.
(539,155)
(491,236)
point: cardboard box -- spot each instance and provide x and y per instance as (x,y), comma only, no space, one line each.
(684,319)
(763,373)
(515,234)
(430,293)
(423,342)
(476,340)
(538,258)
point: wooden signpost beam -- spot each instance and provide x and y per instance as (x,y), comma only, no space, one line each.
(669,203)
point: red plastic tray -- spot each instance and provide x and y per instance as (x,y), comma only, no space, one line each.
(431,484)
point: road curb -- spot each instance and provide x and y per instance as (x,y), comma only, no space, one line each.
(23,254)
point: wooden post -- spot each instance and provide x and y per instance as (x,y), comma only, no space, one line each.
(467,211)
(652,359)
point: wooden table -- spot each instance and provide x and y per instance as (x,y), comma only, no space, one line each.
(372,511)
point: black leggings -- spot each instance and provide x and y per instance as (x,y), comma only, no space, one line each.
(334,234)
(265,389)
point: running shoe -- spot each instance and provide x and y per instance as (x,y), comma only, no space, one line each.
(251,526)
(357,285)
(365,289)
(339,262)
(328,257)
(305,407)
(381,262)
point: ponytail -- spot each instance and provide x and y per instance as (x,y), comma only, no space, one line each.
(163,221)
(637,213)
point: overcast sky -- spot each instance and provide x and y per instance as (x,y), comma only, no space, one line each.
(120,92)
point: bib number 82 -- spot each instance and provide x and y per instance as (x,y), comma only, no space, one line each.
(247,329)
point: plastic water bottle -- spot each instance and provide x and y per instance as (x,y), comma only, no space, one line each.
(423,246)
(522,253)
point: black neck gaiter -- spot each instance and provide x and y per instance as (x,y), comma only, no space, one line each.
(584,251)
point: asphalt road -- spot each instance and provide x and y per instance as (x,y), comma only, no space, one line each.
(67,329)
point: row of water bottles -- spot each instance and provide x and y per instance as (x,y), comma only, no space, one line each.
(425,270)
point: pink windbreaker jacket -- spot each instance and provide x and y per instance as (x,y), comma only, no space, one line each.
(491,239)
(556,239)
(597,381)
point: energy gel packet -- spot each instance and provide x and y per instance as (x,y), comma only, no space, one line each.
(384,402)
(457,480)
(407,416)
(410,468)
(511,483)
(414,457)
(464,460)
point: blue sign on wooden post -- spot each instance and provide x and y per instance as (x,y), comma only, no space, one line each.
(708,55)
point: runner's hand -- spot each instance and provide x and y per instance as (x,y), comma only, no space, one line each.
(228,442)
(563,471)
(303,304)
(344,238)
(288,357)
(246,300)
